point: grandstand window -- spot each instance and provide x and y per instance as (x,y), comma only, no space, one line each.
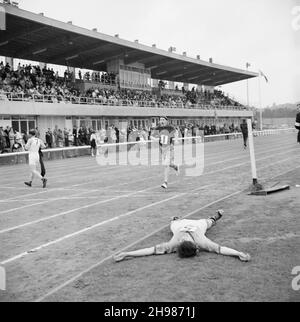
(22,124)
(99,125)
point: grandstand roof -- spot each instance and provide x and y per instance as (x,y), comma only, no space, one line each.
(35,37)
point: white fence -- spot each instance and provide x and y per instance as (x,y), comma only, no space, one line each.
(208,138)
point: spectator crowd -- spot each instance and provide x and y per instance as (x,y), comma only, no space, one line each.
(29,82)
(14,141)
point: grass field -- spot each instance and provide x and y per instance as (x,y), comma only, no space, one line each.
(57,243)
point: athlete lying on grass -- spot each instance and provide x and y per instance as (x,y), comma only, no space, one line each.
(188,239)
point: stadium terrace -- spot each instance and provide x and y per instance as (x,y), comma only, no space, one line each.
(109,84)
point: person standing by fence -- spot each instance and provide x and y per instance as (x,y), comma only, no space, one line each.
(244,129)
(297,123)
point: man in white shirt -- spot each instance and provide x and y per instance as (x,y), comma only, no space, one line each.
(33,146)
(188,239)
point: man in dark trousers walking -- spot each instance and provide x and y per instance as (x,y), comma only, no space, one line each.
(43,169)
(297,123)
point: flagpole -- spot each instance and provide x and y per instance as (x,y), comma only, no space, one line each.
(260,102)
(247,66)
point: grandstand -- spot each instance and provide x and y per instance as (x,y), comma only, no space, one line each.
(58,243)
(130,84)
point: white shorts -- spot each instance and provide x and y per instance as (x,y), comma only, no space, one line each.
(167,155)
(34,159)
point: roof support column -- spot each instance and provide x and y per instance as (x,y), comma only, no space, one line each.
(186,86)
(10,61)
(171,85)
(42,65)
(154,83)
(72,73)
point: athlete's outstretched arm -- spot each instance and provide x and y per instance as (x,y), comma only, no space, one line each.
(136,253)
(210,246)
(232,252)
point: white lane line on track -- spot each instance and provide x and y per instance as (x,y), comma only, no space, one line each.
(73,279)
(79,275)
(105,201)
(65,188)
(79,208)
(97,225)
(116,198)
(40,203)
(88,167)
(122,170)
(76,162)
(92,227)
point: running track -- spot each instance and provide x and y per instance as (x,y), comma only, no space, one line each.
(51,237)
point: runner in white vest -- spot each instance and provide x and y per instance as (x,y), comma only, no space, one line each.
(33,146)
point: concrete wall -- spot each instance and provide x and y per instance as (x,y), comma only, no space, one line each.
(22,158)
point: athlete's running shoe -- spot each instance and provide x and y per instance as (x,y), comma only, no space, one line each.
(28,184)
(44,182)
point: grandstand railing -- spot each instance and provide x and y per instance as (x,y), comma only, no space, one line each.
(39,98)
(207,139)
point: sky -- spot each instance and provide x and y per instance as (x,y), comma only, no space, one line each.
(264,33)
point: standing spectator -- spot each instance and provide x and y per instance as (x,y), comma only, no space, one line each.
(49,138)
(75,136)
(2,140)
(55,134)
(60,138)
(71,138)
(80,75)
(6,135)
(66,135)
(80,136)
(25,137)
(117,134)
(102,135)
(244,129)
(93,142)
(297,124)
(19,140)
(11,136)
(37,132)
